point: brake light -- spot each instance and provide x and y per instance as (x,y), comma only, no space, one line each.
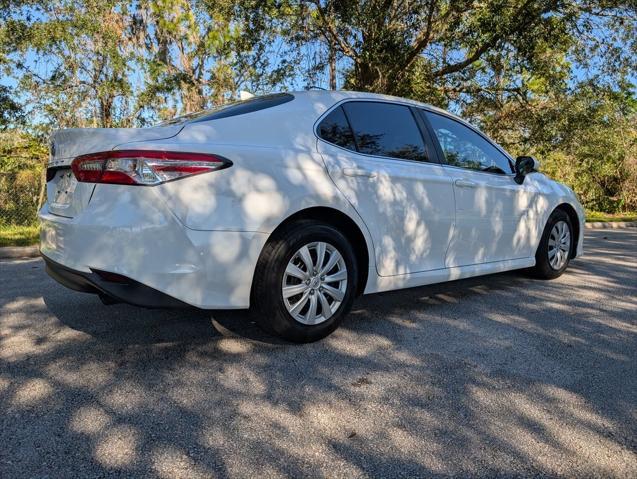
(143,167)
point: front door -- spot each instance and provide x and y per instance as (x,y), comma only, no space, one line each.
(494,215)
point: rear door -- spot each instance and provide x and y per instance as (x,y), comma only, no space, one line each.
(494,215)
(382,160)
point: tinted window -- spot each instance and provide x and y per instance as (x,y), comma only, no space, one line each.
(335,129)
(385,129)
(465,148)
(234,108)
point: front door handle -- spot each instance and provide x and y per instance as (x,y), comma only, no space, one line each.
(465,184)
(359,172)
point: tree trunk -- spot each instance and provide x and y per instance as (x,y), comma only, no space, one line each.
(106,112)
(332,62)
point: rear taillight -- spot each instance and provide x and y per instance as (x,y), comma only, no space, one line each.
(143,167)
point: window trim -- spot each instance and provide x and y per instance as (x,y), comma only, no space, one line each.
(429,143)
(351,130)
(441,154)
(324,116)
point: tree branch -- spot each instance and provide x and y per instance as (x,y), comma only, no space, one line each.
(474,57)
(422,40)
(329,28)
(522,19)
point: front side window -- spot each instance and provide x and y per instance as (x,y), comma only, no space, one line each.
(335,129)
(385,129)
(465,148)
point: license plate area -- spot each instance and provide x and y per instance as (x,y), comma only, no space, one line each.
(67,197)
(64,189)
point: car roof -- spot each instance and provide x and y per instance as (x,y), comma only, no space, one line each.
(336,96)
(291,122)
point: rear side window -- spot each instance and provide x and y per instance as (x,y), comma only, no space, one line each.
(385,129)
(235,108)
(335,129)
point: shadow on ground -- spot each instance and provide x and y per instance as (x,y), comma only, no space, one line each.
(494,375)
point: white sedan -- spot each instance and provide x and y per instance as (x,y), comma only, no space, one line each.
(294,204)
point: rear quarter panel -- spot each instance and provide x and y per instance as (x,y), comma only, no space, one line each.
(276,171)
(264,186)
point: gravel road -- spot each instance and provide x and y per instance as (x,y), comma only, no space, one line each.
(499,375)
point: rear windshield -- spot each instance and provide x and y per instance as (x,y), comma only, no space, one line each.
(233,109)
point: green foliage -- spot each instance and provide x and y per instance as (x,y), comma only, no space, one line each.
(81,75)
(585,136)
(597,149)
(22,160)
(610,217)
(10,110)
(189,50)
(12,235)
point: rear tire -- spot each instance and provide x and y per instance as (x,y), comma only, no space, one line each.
(554,251)
(297,263)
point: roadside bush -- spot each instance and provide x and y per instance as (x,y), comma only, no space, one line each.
(22,183)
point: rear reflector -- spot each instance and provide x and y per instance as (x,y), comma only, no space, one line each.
(143,167)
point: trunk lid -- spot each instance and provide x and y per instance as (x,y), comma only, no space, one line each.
(66,196)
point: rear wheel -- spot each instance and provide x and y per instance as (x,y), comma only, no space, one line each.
(305,282)
(553,253)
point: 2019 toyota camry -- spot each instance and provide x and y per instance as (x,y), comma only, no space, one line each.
(295,203)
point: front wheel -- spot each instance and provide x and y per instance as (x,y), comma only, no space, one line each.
(554,252)
(305,282)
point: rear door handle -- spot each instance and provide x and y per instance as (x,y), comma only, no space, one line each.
(359,172)
(465,184)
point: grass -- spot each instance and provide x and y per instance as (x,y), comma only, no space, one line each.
(11,235)
(612,217)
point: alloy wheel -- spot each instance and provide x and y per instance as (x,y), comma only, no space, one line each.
(559,245)
(314,283)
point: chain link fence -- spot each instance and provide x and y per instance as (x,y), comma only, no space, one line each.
(22,194)
(23,159)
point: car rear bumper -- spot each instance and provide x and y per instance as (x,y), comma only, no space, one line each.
(134,234)
(123,289)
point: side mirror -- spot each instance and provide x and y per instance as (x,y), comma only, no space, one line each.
(523,166)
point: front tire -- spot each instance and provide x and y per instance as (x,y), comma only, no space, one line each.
(305,282)
(554,251)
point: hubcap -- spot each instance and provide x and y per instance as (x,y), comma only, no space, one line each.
(314,283)
(559,245)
